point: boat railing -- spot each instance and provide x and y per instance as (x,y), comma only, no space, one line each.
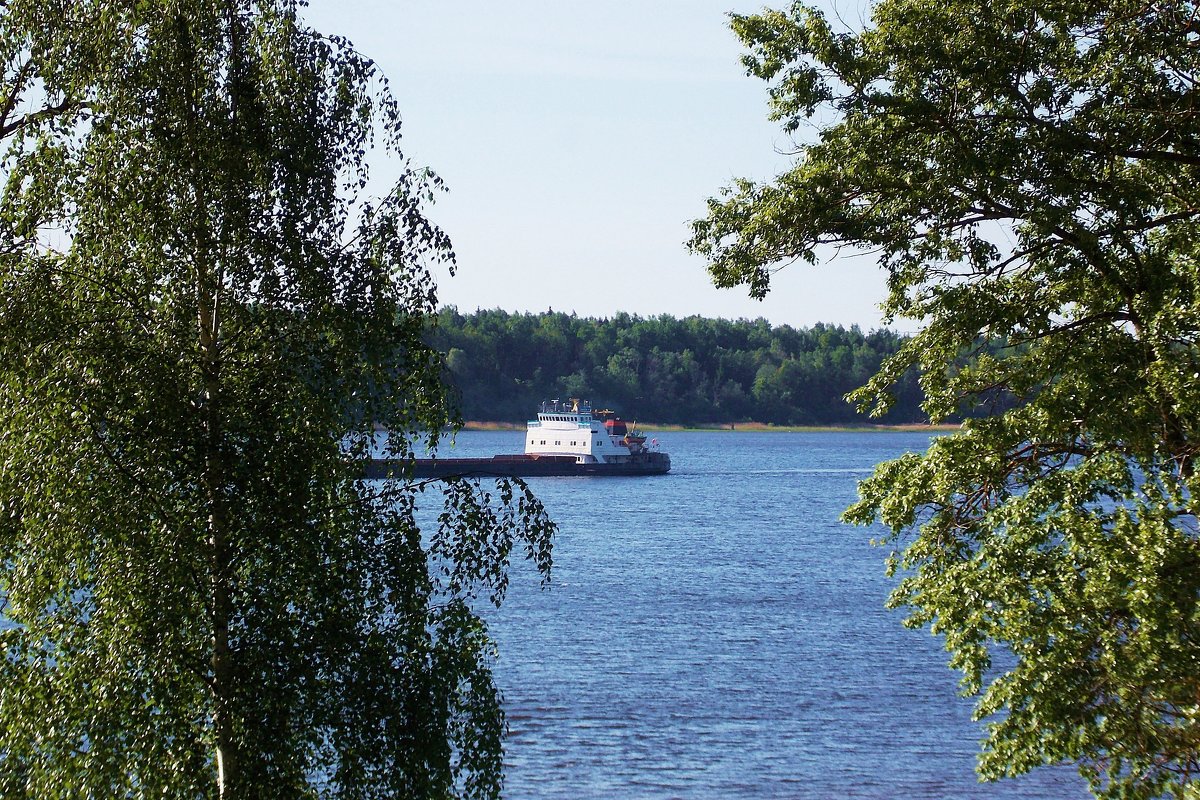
(571,406)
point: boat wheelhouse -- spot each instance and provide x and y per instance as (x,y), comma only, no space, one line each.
(572,428)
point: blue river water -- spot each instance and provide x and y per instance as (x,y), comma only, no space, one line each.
(718,633)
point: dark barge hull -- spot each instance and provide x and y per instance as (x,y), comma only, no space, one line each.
(524,466)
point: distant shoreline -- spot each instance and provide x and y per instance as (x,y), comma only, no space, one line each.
(478,425)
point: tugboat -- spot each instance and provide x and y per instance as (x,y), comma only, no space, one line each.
(567,438)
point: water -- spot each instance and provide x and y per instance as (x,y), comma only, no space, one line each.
(717,633)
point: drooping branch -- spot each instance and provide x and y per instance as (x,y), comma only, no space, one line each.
(21,80)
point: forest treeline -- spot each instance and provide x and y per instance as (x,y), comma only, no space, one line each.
(686,371)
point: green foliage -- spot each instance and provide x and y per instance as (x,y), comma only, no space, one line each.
(1027,173)
(201,597)
(683,371)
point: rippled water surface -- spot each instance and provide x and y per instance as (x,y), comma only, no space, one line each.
(717,633)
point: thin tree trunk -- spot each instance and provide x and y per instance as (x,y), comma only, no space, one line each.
(220,557)
(208,307)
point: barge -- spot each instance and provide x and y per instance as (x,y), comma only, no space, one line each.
(567,439)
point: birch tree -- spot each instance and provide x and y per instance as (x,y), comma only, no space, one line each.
(204,321)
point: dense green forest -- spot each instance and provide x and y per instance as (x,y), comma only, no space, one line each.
(662,369)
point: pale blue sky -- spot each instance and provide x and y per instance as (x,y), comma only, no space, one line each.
(578,142)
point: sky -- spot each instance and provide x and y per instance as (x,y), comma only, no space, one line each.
(578,142)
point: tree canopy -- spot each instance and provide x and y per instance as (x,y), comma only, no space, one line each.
(666,370)
(1027,174)
(204,326)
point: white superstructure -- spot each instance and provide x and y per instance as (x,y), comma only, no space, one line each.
(570,428)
